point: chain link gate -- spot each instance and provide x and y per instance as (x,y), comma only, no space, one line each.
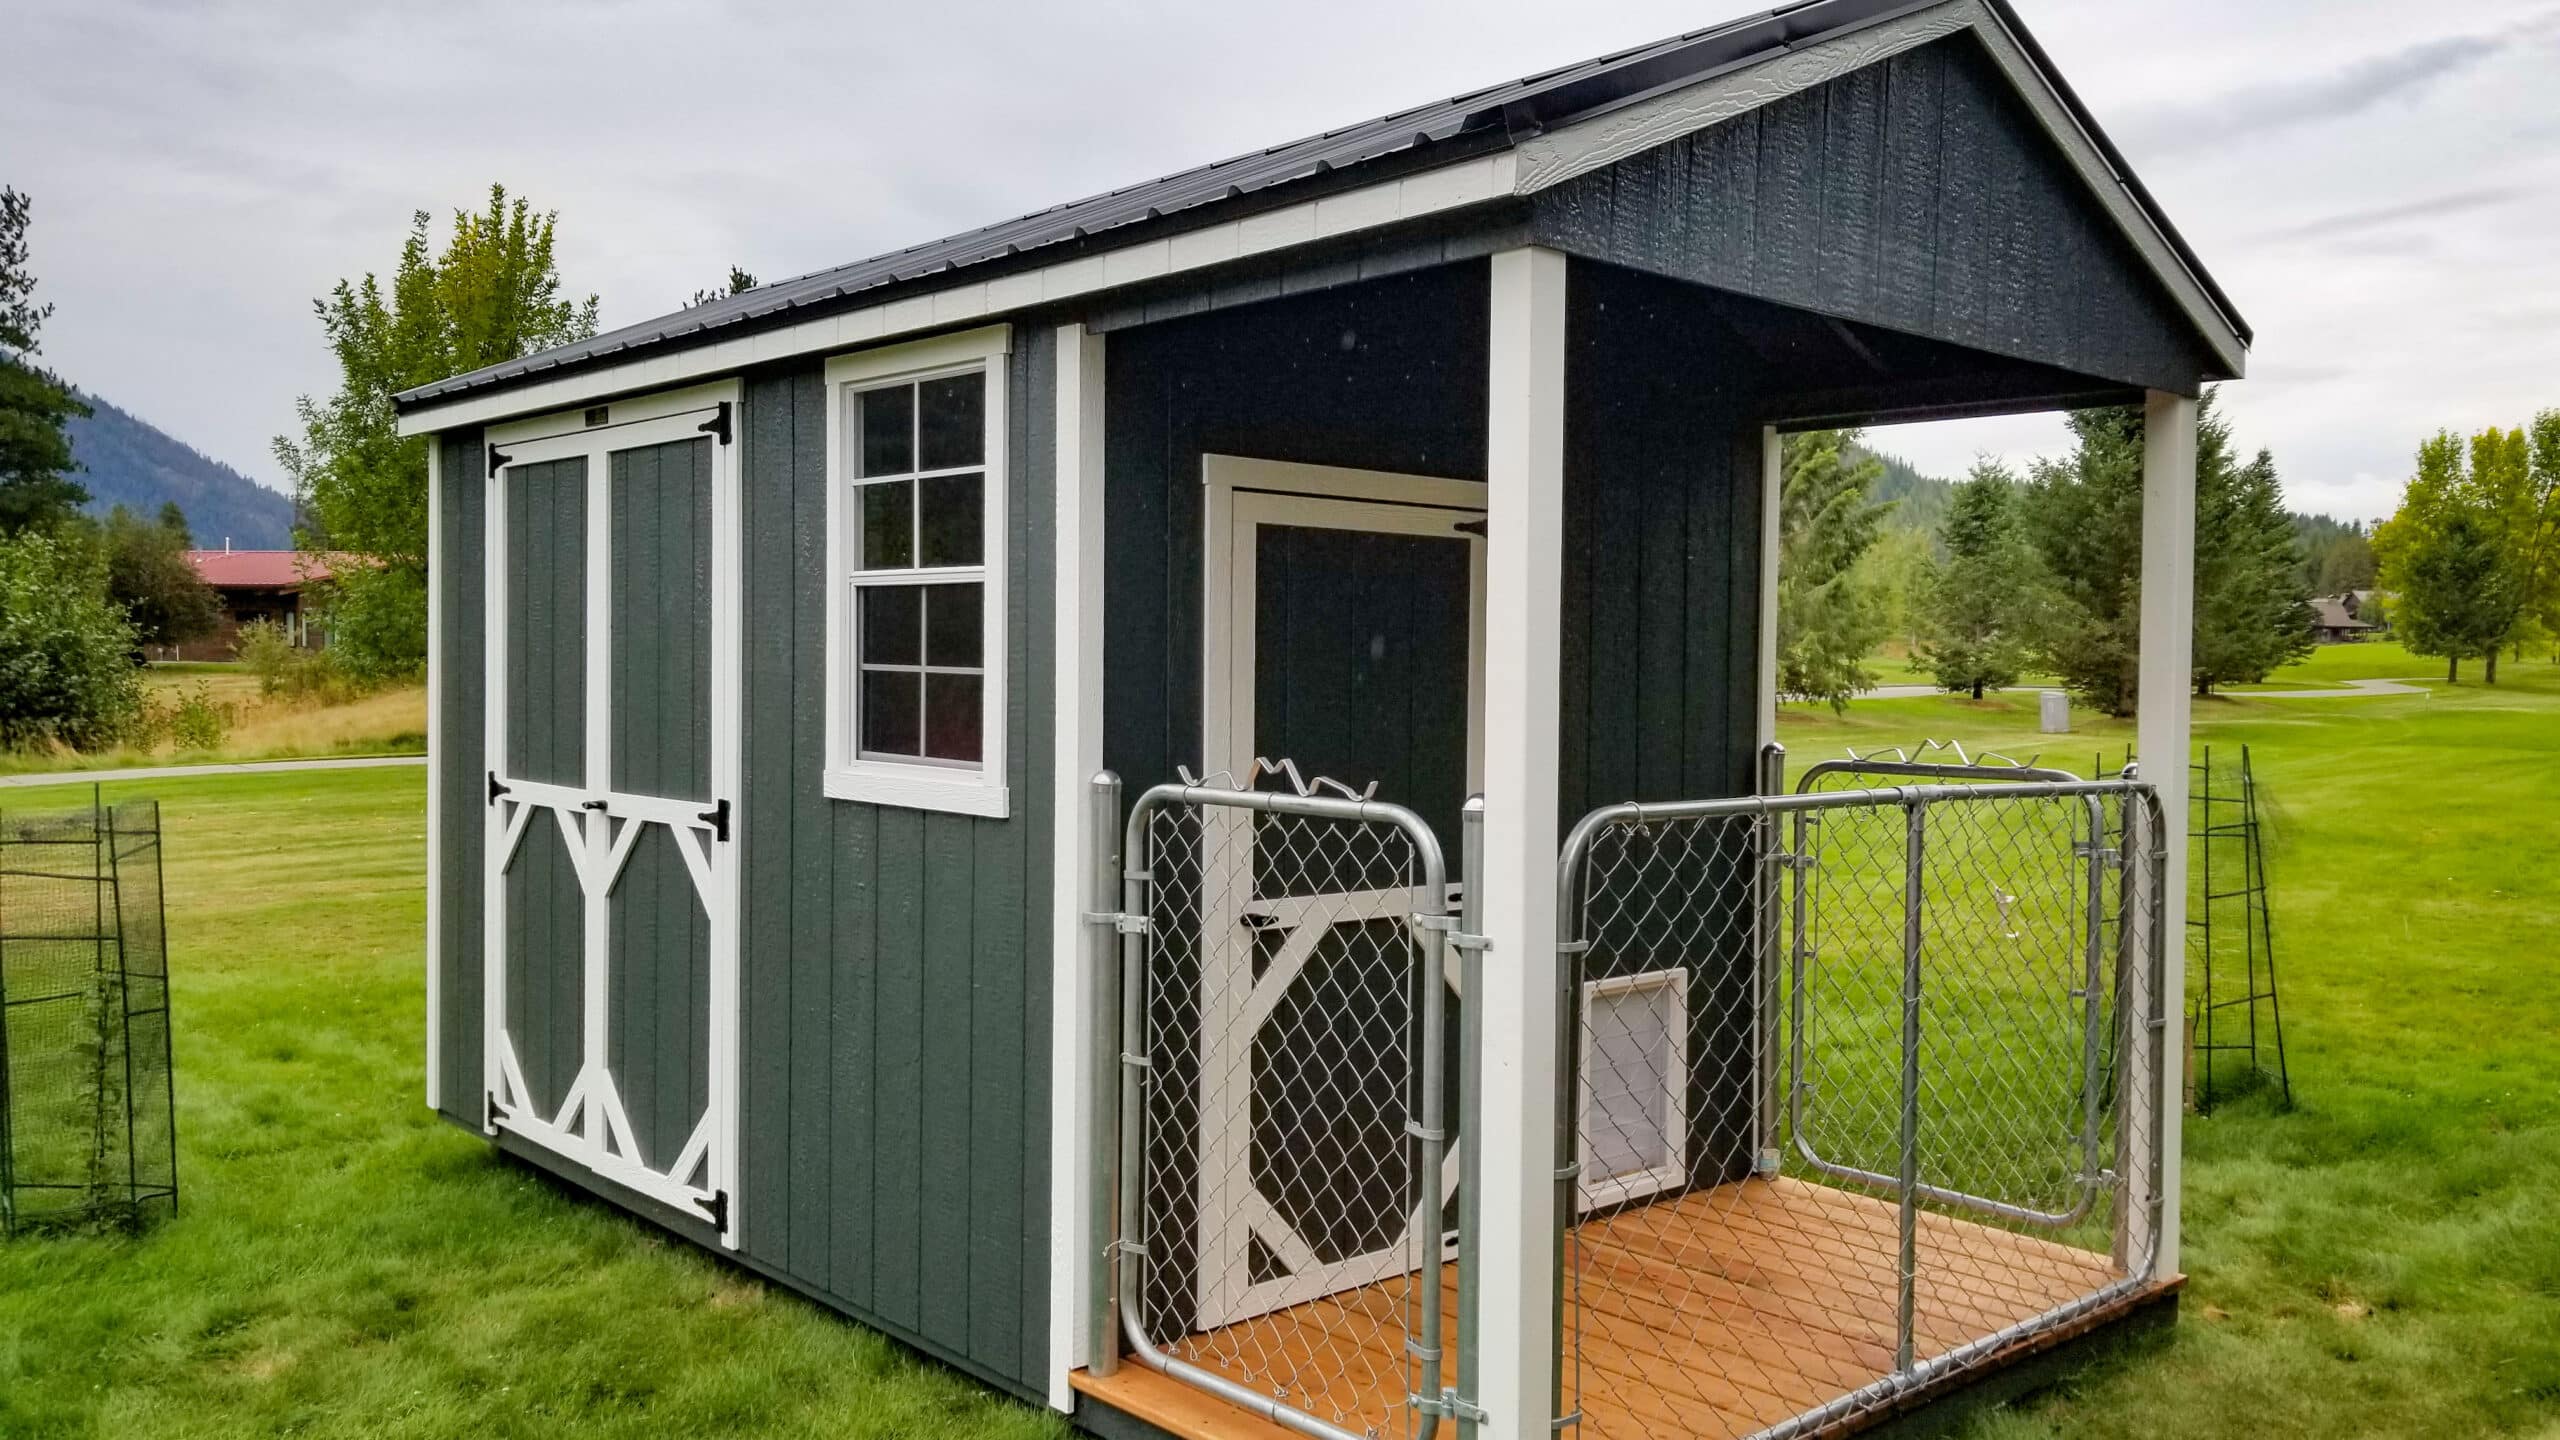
(1286,1063)
(1856,1078)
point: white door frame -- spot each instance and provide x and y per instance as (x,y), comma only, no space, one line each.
(600,826)
(1242,495)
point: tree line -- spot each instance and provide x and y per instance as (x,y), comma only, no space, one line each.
(2034,573)
(79,597)
(2471,560)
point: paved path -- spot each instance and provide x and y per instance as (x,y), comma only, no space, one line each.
(180,772)
(2341,690)
(2343,687)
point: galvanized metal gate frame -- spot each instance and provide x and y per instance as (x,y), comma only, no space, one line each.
(1120,899)
(599,826)
(1779,876)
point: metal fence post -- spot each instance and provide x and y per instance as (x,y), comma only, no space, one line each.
(1914,882)
(1470,1096)
(1102,902)
(1129,1055)
(1764,995)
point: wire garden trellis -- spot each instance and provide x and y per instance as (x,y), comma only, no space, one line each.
(2237,1017)
(88,1129)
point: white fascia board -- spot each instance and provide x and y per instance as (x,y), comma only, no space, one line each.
(1428,192)
(1561,154)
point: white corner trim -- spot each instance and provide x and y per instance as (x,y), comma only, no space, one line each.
(980,789)
(1428,192)
(1075,948)
(1559,155)
(435,774)
(1773,474)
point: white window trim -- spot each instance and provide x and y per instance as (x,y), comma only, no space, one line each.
(917,784)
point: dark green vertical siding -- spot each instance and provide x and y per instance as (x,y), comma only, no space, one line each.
(660,539)
(546,604)
(894,964)
(546,932)
(896,961)
(461,695)
(658,996)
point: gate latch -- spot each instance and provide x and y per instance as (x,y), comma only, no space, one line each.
(1449,1403)
(1120,922)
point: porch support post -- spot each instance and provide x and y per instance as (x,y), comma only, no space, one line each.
(2167,668)
(1524,574)
(1083,958)
(1772,473)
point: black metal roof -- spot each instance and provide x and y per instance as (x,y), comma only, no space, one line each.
(1440,132)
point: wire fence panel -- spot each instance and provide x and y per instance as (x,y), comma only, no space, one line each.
(1287,1183)
(1859,1076)
(87,1130)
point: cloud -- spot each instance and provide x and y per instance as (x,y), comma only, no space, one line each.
(2363,222)
(2359,87)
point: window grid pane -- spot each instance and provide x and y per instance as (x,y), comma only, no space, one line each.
(920,649)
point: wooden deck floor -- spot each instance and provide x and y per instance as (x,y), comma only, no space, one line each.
(1712,1315)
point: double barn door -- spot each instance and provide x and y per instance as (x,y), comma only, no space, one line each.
(613,736)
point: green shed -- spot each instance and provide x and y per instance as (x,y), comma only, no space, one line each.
(1070,792)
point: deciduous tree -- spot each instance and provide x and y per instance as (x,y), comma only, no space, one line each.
(492,294)
(66,651)
(36,488)
(166,601)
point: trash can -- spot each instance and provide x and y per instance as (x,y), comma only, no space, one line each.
(2053,712)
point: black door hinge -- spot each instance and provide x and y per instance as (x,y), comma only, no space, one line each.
(497,459)
(717,426)
(717,1208)
(717,817)
(497,787)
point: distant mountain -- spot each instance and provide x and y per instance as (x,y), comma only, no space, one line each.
(127,461)
(1920,500)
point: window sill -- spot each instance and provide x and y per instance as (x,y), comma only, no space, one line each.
(919,787)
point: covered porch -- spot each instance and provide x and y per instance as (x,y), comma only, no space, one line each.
(1479,1032)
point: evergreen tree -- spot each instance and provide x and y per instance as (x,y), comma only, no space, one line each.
(740,282)
(1829,622)
(36,488)
(2253,611)
(1979,608)
(2084,521)
(491,295)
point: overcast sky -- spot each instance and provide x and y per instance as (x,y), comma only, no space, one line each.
(2375,182)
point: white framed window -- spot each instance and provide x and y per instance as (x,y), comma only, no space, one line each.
(915,574)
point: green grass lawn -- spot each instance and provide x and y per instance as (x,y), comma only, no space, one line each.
(344,1264)
(2384,1259)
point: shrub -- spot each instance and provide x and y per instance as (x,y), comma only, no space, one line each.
(67,671)
(285,669)
(200,722)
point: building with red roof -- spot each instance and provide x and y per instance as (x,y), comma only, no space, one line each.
(255,585)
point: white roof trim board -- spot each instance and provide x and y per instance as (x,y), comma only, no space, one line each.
(1506,144)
